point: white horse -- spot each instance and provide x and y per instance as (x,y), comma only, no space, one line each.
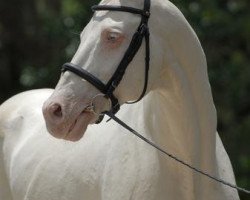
(108,163)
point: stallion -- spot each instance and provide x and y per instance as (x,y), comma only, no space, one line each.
(53,149)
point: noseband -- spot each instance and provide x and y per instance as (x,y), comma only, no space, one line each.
(136,42)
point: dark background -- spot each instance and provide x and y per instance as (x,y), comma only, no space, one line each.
(36,37)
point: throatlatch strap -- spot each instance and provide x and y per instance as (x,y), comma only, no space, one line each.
(147,63)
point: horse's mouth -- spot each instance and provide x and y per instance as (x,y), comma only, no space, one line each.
(79,126)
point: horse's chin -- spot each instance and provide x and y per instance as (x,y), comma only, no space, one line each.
(79,126)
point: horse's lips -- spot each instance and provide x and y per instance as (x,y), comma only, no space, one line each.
(79,126)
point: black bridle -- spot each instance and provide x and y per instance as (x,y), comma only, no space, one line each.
(136,42)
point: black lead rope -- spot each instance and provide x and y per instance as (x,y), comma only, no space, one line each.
(112,116)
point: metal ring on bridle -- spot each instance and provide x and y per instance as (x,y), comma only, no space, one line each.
(91,107)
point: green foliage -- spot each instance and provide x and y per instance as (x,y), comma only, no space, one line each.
(36,37)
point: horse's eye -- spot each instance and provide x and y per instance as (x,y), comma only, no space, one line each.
(113,37)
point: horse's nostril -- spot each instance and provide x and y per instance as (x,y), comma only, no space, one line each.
(56,110)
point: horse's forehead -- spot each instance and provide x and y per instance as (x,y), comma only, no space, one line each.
(120,2)
(110,1)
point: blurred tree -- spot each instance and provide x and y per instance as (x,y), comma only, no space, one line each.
(36,37)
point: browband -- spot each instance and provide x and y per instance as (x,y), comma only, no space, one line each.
(137,11)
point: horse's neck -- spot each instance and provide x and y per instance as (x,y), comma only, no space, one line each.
(184,107)
(176,121)
(180,124)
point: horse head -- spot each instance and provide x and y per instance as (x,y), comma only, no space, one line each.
(104,41)
(177,64)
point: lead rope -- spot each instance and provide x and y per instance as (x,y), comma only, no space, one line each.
(111,115)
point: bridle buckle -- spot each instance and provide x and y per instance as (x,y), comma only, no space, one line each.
(147,14)
(92,108)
